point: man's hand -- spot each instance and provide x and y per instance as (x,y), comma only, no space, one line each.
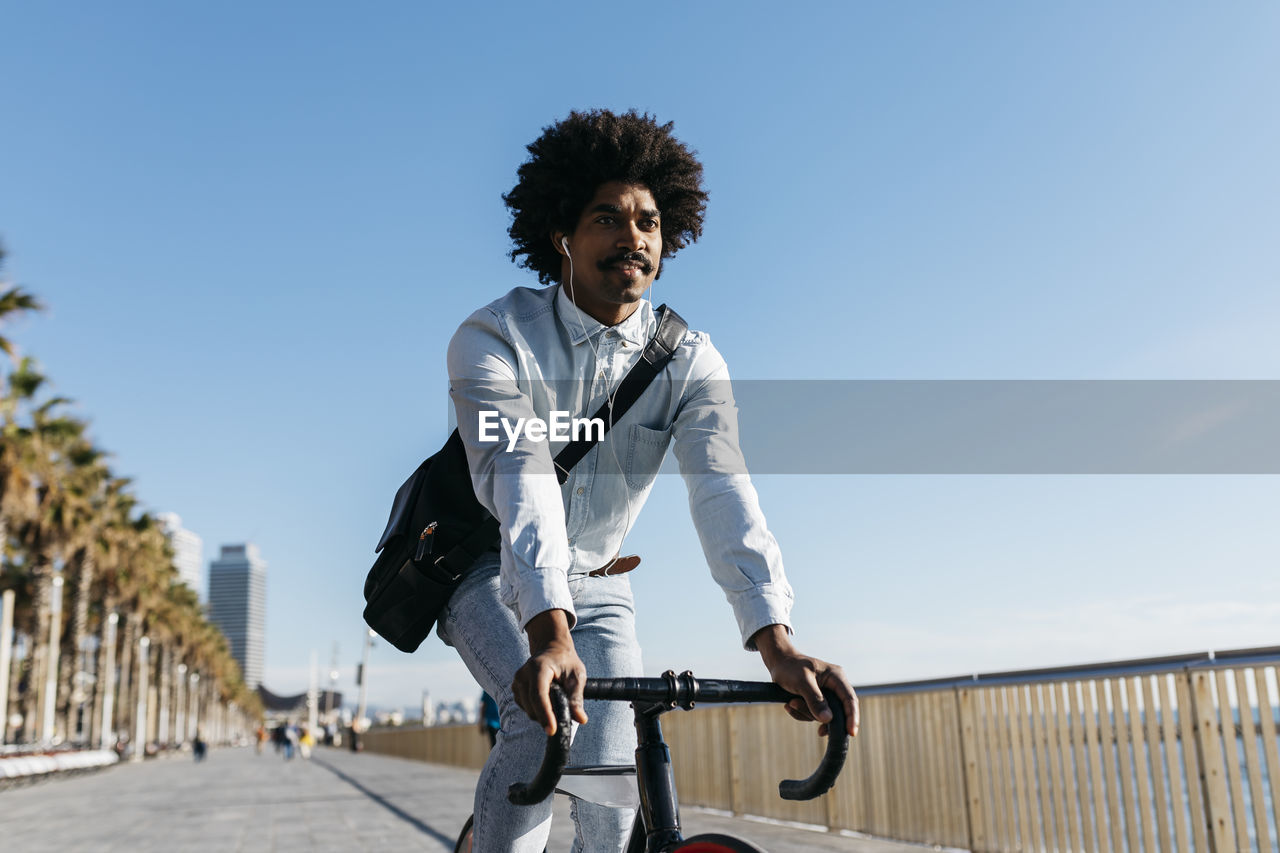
(552,658)
(806,677)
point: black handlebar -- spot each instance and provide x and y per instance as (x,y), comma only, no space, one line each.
(683,691)
(553,760)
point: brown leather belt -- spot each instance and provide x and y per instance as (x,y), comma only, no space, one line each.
(616,566)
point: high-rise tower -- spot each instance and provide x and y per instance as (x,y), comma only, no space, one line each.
(188,551)
(238,605)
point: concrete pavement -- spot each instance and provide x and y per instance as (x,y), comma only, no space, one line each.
(337,801)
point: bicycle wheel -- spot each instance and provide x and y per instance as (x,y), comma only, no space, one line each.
(713,842)
(464,837)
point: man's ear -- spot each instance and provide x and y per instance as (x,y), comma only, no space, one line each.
(556,238)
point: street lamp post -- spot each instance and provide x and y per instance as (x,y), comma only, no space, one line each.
(313,703)
(51,674)
(6,652)
(107,734)
(179,706)
(364,685)
(140,716)
(194,701)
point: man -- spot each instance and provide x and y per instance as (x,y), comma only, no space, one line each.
(602,200)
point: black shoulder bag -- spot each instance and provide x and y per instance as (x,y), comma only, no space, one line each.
(438,529)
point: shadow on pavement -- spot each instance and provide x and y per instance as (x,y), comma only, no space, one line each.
(447,840)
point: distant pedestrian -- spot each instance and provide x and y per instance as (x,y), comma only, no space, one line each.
(278,737)
(305,741)
(261,739)
(199,748)
(290,741)
(490,719)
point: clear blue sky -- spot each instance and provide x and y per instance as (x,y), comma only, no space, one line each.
(256,224)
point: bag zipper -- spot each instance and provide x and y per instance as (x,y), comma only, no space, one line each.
(426,542)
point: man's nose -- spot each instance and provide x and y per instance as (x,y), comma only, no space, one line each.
(632,238)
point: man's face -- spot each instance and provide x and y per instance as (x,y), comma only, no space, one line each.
(616,247)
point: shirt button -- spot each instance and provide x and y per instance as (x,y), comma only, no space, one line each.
(625,344)
(602,374)
(581,490)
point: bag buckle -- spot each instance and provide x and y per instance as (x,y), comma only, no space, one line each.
(426,542)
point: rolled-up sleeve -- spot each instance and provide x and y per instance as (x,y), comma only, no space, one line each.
(743,555)
(517,483)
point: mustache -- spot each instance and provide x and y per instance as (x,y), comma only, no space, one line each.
(646,265)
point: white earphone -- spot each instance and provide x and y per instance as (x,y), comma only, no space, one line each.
(564,241)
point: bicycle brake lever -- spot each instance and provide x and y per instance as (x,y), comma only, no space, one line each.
(553,760)
(832,761)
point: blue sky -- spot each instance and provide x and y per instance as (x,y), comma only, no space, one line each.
(256,225)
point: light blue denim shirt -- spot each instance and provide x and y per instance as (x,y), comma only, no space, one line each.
(532,353)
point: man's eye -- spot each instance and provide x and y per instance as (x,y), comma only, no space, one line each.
(605,220)
(649,224)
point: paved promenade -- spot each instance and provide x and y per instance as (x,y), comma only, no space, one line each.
(337,801)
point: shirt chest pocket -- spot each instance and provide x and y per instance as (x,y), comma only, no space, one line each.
(645,450)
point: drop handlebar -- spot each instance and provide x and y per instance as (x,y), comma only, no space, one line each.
(683,691)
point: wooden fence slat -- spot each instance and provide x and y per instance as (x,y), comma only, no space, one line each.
(1106,740)
(1231,759)
(1141,765)
(904,803)
(973,786)
(1253,766)
(958,821)
(1093,708)
(1156,752)
(1192,754)
(1128,796)
(999,717)
(958,805)
(1041,744)
(1019,778)
(1070,788)
(1039,835)
(880,824)
(1177,788)
(1077,735)
(990,826)
(1266,714)
(934,779)
(1048,694)
(1210,742)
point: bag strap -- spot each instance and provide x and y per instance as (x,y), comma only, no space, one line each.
(671,331)
(655,357)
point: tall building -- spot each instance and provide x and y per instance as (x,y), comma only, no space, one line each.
(238,605)
(188,551)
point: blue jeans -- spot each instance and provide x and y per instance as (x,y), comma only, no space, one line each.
(488,637)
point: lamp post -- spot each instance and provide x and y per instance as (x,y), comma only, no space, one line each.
(51,673)
(363,680)
(328,701)
(140,716)
(108,732)
(179,706)
(313,703)
(194,700)
(6,652)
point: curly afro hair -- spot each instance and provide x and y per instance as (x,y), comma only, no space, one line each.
(575,156)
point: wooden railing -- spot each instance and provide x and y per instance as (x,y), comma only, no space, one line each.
(1162,754)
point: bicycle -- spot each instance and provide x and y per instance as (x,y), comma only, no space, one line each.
(657,824)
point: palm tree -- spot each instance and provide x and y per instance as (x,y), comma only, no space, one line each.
(89,481)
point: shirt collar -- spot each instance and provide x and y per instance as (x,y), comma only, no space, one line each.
(580,325)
